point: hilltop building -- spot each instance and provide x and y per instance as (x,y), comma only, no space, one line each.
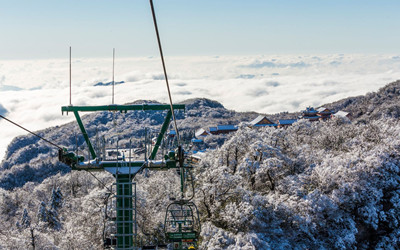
(324,113)
(341,113)
(201,133)
(226,129)
(310,114)
(319,114)
(213,130)
(262,121)
(219,129)
(286,122)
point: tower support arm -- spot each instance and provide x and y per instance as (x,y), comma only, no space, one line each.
(85,135)
(161,134)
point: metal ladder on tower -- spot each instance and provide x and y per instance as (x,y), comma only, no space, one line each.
(125,210)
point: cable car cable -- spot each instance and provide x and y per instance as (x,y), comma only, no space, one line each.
(55,145)
(180,150)
(165,70)
(102,183)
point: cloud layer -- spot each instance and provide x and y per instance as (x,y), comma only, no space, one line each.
(33,91)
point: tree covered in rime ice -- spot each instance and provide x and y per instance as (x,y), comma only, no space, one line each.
(311,186)
(48,213)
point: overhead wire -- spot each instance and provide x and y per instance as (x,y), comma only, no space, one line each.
(180,150)
(55,145)
(102,183)
(165,70)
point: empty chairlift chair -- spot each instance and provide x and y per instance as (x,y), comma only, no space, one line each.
(182,224)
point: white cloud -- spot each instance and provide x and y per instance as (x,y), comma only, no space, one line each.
(265,84)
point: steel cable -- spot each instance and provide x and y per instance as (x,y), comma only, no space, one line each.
(55,145)
(165,70)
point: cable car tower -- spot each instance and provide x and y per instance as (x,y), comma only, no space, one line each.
(123,169)
(182,224)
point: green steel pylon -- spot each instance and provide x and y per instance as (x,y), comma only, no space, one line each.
(123,170)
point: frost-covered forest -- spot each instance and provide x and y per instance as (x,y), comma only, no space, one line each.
(321,185)
(311,186)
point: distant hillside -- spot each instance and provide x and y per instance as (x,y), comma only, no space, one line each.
(385,103)
(381,104)
(108,83)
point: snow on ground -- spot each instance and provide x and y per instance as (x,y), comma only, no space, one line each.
(32,92)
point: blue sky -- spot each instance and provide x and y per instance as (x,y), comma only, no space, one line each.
(45,28)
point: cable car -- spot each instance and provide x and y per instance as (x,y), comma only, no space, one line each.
(182,224)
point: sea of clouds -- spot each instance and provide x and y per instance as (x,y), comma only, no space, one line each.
(32,92)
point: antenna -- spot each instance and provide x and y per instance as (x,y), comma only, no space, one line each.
(70,85)
(113,82)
